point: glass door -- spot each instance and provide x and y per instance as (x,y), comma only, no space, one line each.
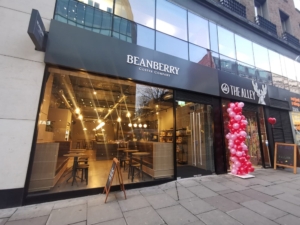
(194,139)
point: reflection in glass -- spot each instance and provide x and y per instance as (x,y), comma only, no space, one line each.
(261,57)
(275,62)
(245,70)
(297,65)
(166,43)
(244,51)
(141,12)
(228,65)
(102,22)
(80,126)
(200,55)
(61,11)
(283,66)
(216,60)
(171,19)
(105,5)
(213,34)
(293,85)
(226,42)
(145,37)
(264,76)
(198,30)
(290,68)
(278,80)
(125,30)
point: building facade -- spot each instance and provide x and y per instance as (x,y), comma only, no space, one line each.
(147,82)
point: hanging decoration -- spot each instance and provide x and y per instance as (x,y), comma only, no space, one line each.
(239,157)
(271,120)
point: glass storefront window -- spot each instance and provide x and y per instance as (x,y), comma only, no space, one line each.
(198,30)
(290,68)
(264,76)
(102,22)
(275,62)
(213,34)
(171,19)
(261,57)
(283,66)
(166,43)
(105,5)
(145,37)
(86,120)
(200,55)
(141,12)
(226,42)
(228,65)
(244,51)
(245,70)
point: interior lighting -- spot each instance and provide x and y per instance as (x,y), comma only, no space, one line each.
(119,119)
(95,92)
(145,125)
(128,114)
(99,121)
(130,124)
(77,110)
(80,117)
(140,125)
(84,129)
(100,125)
(135,125)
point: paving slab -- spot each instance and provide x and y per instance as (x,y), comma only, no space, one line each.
(143,216)
(285,206)
(120,194)
(100,199)
(4,213)
(32,211)
(225,191)
(151,191)
(69,202)
(104,212)
(179,193)
(222,203)
(248,217)
(237,197)
(133,202)
(291,185)
(202,192)
(196,205)
(289,198)
(3,221)
(161,201)
(264,209)
(80,223)
(32,221)
(188,182)
(68,215)
(251,181)
(288,220)
(176,215)
(169,185)
(256,195)
(219,179)
(268,190)
(120,221)
(285,189)
(214,186)
(234,186)
(198,222)
(217,217)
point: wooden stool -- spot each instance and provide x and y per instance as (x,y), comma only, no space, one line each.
(84,169)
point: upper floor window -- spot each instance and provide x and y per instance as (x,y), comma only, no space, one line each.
(285,22)
(260,8)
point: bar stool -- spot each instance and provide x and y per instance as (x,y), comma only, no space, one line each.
(132,166)
(84,170)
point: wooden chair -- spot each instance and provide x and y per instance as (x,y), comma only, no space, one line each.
(84,170)
(132,166)
(120,154)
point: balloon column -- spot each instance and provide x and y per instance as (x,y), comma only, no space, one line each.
(240,164)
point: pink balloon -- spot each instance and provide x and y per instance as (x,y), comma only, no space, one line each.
(241,104)
(237,164)
(233,159)
(243,133)
(244,122)
(232,105)
(228,136)
(237,117)
(233,151)
(233,171)
(239,154)
(233,137)
(236,126)
(229,110)
(231,114)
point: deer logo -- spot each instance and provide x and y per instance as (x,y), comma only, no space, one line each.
(261,93)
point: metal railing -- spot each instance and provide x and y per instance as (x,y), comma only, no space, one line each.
(266,24)
(234,6)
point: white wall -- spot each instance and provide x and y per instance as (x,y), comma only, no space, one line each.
(21,75)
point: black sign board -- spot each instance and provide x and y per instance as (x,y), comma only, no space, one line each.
(285,156)
(36,31)
(242,89)
(114,167)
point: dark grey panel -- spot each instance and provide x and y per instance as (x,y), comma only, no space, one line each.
(77,48)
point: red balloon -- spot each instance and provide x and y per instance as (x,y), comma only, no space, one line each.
(272,120)
(241,138)
(251,169)
(229,126)
(239,172)
(237,142)
(249,164)
(247,157)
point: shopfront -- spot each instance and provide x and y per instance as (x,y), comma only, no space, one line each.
(255,97)
(107,98)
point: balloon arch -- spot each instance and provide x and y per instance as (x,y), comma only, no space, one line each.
(239,157)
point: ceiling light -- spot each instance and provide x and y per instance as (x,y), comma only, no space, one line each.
(140,125)
(99,121)
(80,117)
(119,119)
(135,125)
(95,92)
(100,125)
(84,129)
(77,110)
(130,124)
(128,114)
(145,125)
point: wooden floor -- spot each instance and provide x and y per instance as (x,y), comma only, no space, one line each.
(98,173)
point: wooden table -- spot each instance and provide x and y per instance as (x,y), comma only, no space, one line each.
(75,162)
(141,155)
(77,150)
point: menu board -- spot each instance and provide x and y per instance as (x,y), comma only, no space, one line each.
(285,156)
(114,167)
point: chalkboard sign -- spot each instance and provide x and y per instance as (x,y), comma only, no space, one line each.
(285,156)
(114,167)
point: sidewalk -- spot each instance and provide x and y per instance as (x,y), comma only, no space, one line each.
(272,197)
